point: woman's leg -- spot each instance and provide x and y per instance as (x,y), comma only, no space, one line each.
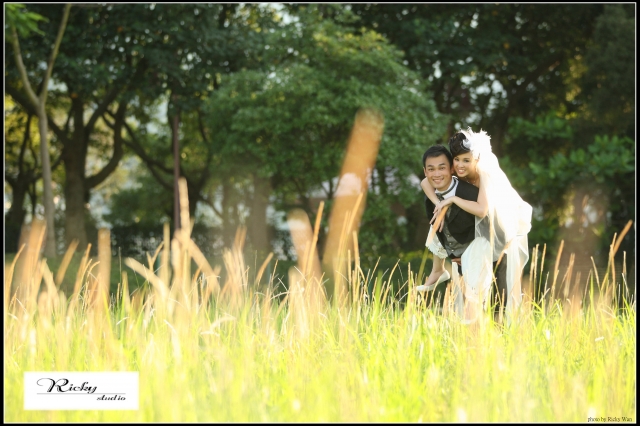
(439,255)
(437,270)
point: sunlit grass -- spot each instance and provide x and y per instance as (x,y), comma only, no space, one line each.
(233,351)
(241,355)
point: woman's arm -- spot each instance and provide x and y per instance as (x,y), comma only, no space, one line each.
(478,208)
(430,191)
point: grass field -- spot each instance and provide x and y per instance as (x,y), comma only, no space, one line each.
(210,351)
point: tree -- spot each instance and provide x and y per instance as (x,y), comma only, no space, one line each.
(286,128)
(116,59)
(582,195)
(544,81)
(22,169)
(489,62)
(577,167)
(232,40)
(39,102)
(608,83)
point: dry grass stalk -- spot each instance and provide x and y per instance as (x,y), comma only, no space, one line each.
(567,276)
(360,158)
(611,266)
(165,270)
(85,263)
(237,278)
(126,298)
(28,282)
(262,269)
(159,287)
(437,223)
(298,311)
(622,235)
(8,280)
(556,269)
(101,297)
(306,295)
(303,240)
(65,261)
(533,270)
(541,275)
(595,270)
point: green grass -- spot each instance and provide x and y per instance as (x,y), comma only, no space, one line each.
(72,270)
(261,360)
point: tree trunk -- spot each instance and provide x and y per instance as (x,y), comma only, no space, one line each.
(34,198)
(227,222)
(39,103)
(258,232)
(176,171)
(194,191)
(47,183)
(75,211)
(74,156)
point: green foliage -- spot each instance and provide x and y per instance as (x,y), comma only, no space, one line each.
(21,149)
(147,203)
(264,99)
(570,182)
(608,85)
(488,62)
(290,124)
(533,140)
(600,162)
(24,21)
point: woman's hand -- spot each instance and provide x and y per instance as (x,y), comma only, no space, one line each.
(439,210)
(440,206)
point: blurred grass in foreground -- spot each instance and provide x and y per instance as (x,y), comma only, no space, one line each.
(214,346)
(231,352)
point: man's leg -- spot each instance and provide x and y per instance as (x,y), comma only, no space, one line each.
(499,288)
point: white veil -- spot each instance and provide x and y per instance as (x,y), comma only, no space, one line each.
(509,216)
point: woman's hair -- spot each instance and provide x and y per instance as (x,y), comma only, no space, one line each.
(456,145)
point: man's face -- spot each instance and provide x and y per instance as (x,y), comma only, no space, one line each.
(438,171)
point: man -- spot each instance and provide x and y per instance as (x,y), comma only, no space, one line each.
(458,231)
(459,226)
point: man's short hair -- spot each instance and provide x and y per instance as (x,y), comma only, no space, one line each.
(437,151)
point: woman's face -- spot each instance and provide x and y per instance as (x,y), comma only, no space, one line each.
(464,164)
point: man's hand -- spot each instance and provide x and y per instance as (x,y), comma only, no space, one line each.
(457,260)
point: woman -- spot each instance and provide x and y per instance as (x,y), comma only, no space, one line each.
(503,220)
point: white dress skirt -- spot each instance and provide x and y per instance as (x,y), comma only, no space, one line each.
(469,296)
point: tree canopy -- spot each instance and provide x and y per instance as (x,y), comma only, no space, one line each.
(266,95)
